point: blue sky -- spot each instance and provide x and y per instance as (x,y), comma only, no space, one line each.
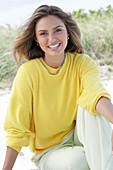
(14,12)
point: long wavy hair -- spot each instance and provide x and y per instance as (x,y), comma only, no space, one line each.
(25,45)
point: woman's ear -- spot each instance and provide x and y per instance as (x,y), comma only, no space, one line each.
(36,41)
(37,44)
(68,36)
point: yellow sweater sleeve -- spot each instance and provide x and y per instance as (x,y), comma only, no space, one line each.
(92,87)
(19,112)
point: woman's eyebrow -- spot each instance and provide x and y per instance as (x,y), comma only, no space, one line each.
(41,30)
(57,27)
(53,28)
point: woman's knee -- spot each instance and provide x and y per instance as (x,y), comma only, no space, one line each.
(70,158)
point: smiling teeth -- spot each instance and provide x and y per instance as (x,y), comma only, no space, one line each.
(54,46)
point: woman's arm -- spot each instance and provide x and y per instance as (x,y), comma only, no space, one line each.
(105,108)
(10,158)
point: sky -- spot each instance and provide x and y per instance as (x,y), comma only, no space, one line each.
(14,12)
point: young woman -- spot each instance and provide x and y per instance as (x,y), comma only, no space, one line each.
(58,106)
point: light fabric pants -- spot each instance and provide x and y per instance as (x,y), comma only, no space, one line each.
(86,147)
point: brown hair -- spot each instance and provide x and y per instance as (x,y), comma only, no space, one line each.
(25,45)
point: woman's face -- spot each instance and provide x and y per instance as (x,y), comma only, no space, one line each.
(51,35)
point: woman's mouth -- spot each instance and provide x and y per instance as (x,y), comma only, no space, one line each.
(54,46)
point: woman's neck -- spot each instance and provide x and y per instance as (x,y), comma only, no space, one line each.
(54,62)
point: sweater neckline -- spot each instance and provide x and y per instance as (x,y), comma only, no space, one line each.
(60,71)
(51,69)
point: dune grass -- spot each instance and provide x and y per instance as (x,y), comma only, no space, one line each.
(97,38)
(7,63)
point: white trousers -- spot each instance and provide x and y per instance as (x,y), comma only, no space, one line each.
(91,146)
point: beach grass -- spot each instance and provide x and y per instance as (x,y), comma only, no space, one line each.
(97,38)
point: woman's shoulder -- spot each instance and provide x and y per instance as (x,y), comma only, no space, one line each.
(80,58)
(81,62)
(26,74)
(29,66)
(28,69)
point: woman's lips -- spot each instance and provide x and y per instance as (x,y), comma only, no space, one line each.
(54,47)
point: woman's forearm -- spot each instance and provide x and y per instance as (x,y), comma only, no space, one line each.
(105,108)
(10,158)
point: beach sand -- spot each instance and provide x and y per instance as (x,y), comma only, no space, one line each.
(23,161)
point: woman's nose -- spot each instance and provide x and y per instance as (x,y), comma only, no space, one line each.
(51,37)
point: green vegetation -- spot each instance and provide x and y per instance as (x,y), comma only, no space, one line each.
(97,33)
(97,39)
(8,66)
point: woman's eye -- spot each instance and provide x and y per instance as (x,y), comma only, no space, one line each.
(43,33)
(58,30)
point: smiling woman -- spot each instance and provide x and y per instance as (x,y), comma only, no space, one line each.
(59,107)
(52,39)
(31,50)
